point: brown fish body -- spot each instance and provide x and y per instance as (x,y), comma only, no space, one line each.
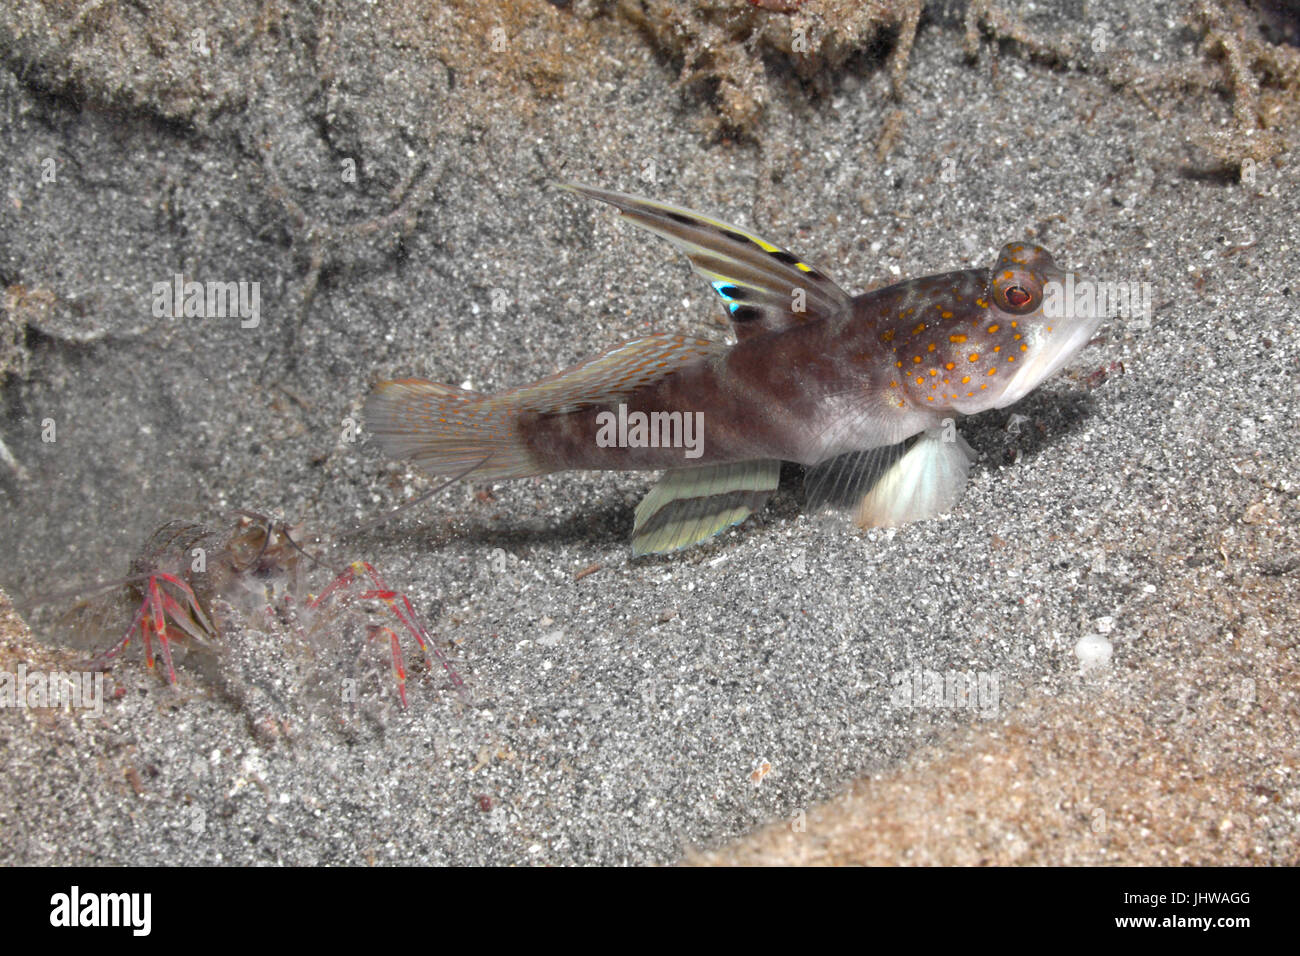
(815,390)
(815,376)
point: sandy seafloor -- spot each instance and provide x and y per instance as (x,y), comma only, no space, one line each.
(664,708)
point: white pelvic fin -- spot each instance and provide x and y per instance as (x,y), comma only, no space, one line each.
(925,482)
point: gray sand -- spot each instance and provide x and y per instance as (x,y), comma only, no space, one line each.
(652,708)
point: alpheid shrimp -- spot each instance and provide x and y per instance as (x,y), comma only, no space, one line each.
(187,571)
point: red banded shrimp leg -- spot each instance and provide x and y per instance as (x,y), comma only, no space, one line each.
(400,606)
(405,613)
(156,608)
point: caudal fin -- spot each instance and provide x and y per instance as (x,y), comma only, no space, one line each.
(445,430)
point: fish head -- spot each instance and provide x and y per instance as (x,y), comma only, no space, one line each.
(978,339)
(1013,329)
(1031,298)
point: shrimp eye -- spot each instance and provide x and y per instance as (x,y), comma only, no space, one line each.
(1017,297)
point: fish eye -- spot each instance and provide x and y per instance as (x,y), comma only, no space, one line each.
(1017,291)
(1017,296)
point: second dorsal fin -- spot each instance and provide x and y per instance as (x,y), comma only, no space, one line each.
(764,287)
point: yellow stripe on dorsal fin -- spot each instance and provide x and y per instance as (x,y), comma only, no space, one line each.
(764,287)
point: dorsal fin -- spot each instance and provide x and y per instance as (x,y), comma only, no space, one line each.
(764,287)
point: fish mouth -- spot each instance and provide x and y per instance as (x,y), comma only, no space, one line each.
(1051,353)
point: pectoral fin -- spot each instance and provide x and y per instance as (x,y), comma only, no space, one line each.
(764,287)
(895,484)
(691,504)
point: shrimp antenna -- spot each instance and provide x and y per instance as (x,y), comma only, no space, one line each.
(83,591)
(418,499)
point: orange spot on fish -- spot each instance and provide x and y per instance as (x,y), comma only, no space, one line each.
(974,356)
(957,338)
(993,371)
(965,379)
(994,327)
(946,315)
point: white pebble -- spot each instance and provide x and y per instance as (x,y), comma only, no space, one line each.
(1093,651)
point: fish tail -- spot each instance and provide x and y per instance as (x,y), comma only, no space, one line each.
(447,430)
